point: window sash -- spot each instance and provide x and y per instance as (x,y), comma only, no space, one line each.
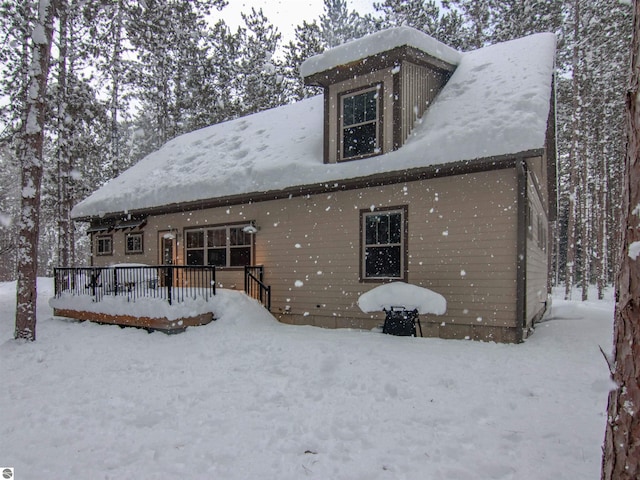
(133,243)
(104,245)
(359,123)
(383,244)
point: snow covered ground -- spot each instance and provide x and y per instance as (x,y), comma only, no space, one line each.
(248,398)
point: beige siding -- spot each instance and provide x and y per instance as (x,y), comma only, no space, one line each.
(537,254)
(538,174)
(461,243)
(419,87)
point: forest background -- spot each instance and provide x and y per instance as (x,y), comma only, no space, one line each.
(126,76)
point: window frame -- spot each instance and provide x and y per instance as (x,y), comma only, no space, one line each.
(129,235)
(378,122)
(205,247)
(102,252)
(403,210)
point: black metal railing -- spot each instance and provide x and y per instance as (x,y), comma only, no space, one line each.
(254,285)
(173,283)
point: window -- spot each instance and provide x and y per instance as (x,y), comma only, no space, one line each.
(133,243)
(104,245)
(383,244)
(220,246)
(542,235)
(360,124)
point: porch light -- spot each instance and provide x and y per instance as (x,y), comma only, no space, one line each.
(251,228)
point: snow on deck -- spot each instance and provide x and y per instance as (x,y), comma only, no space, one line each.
(496,103)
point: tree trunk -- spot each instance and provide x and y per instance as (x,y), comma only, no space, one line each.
(574,176)
(63,140)
(30,147)
(621,453)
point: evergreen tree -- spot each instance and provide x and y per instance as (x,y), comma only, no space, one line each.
(338,25)
(167,37)
(477,28)
(424,15)
(621,452)
(29,144)
(260,77)
(518,18)
(308,42)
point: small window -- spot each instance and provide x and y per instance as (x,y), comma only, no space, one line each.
(542,235)
(104,245)
(383,244)
(224,247)
(133,243)
(360,124)
(530,221)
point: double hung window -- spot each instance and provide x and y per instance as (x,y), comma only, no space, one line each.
(133,243)
(360,123)
(383,244)
(104,245)
(227,246)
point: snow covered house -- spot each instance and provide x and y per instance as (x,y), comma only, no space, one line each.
(418,163)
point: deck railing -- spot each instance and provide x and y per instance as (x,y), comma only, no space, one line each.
(173,283)
(254,285)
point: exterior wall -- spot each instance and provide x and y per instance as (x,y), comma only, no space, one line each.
(537,167)
(384,77)
(461,244)
(418,88)
(537,251)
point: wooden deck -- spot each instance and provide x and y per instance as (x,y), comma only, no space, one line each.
(161,323)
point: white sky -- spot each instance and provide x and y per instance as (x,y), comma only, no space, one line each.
(285,14)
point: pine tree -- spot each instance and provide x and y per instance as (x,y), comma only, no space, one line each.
(477,26)
(518,18)
(260,77)
(338,25)
(30,151)
(621,452)
(424,15)
(167,37)
(308,42)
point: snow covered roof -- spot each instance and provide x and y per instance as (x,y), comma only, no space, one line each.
(379,42)
(496,103)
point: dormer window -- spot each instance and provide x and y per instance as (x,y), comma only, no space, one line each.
(376,88)
(360,123)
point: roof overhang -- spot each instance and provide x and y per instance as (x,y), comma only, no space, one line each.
(375,180)
(376,62)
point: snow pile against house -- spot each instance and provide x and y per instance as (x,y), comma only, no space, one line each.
(496,103)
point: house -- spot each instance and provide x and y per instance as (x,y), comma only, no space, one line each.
(418,163)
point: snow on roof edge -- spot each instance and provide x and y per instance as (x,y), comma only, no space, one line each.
(402,175)
(379,42)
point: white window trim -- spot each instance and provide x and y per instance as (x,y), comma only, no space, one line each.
(402,244)
(377,121)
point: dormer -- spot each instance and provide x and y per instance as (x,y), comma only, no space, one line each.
(375,88)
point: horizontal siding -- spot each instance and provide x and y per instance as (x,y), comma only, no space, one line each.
(461,243)
(537,258)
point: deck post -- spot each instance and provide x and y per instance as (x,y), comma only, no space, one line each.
(169,283)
